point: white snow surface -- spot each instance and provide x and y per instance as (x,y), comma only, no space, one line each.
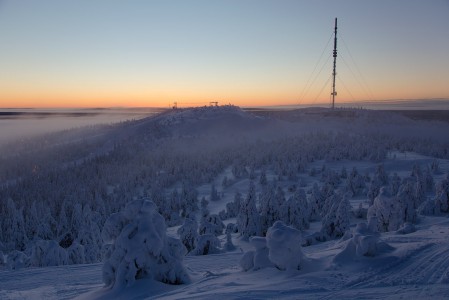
(417,268)
(411,263)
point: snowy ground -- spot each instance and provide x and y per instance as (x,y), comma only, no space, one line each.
(417,268)
(417,265)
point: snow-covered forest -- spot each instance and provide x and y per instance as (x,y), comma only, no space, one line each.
(307,203)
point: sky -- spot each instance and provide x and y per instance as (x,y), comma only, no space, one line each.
(109,53)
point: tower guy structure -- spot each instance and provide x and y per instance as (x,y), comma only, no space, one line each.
(334,71)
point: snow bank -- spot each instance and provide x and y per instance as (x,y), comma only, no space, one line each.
(139,248)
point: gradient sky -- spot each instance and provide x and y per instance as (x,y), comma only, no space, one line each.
(103,53)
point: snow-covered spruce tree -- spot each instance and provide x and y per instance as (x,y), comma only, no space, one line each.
(406,199)
(170,209)
(63,225)
(416,171)
(315,204)
(233,208)
(14,233)
(271,202)
(188,199)
(295,211)
(395,183)
(419,191)
(379,180)
(76,254)
(229,245)
(337,220)
(214,194)
(188,233)
(44,253)
(211,224)
(387,210)
(248,219)
(428,179)
(89,235)
(442,195)
(435,166)
(206,244)
(139,248)
(331,197)
(40,224)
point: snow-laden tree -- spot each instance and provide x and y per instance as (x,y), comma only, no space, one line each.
(14,233)
(40,224)
(170,208)
(63,224)
(225,182)
(248,219)
(406,198)
(435,166)
(188,233)
(214,193)
(416,171)
(16,260)
(271,202)
(387,210)
(44,253)
(229,245)
(326,198)
(76,254)
(89,235)
(364,242)
(233,208)
(379,180)
(139,248)
(419,191)
(428,179)
(188,199)
(442,195)
(315,203)
(258,258)
(206,244)
(337,221)
(211,224)
(395,183)
(284,244)
(295,211)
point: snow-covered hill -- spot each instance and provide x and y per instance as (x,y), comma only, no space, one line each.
(61,189)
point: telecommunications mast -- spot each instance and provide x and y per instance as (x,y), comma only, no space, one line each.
(334,72)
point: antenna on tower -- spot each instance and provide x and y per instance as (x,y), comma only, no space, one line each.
(334,72)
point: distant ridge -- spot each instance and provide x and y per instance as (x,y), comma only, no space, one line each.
(390,104)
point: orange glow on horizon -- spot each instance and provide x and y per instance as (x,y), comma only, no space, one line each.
(165,97)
